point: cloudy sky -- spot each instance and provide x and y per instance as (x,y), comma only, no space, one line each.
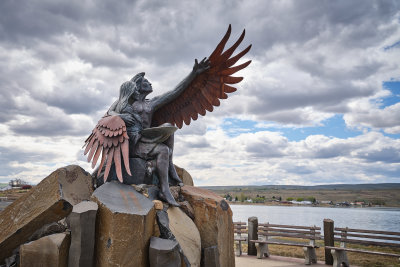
(319,104)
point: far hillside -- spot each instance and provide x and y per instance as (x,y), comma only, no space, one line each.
(385,194)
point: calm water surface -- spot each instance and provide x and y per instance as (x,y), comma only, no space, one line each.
(385,219)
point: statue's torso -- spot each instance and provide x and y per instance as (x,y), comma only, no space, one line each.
(143,108)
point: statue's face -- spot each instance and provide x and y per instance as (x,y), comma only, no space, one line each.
(145,87)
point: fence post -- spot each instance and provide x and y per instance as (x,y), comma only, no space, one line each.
(252,226)
(328,239)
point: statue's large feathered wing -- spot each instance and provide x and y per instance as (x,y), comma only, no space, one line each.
(206,89)
(110,139)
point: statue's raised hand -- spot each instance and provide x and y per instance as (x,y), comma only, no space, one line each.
(199,68)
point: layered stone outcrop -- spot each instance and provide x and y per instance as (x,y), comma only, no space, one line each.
(51,200)
(187,235)
(115,229)
(124,226)
(48,251)
(213,218)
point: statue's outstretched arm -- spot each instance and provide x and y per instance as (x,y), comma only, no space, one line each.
(198,68)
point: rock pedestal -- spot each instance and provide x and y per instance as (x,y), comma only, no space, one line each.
(164,252)
(124,225)
(186,233)
(213,218)
(48,251)
(82,223)
(49,201)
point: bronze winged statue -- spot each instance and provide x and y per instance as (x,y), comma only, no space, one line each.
(137,127)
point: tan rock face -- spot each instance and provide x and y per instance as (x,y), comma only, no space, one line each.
(187,208)
(48,251)
(213,218)
(184,175)
(186,233)
(124,225)
(76,184)
(49,201)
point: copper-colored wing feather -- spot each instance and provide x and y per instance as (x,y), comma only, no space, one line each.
(109,138)
(204,92)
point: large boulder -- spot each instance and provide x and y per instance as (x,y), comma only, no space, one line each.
(187,235)
(51,200)
(82,223)
(213,218)
(184,175)
(48,251)
(124,226)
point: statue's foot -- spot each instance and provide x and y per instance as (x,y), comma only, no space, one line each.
(176,180)
(173,175)
(167,197)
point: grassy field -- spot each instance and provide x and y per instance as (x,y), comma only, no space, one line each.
(389,197)
(358,259)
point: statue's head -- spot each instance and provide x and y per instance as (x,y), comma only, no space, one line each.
(127,92)
(142,84)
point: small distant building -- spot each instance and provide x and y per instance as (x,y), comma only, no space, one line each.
(17,183)
(304,202)
(344,204)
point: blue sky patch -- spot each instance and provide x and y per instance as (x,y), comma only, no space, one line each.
(332,127)
(394,88)
(396,44)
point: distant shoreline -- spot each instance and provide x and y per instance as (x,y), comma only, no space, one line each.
(354,195)
(313,206)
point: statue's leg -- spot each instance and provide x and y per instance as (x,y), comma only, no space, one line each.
(161,153)
(172,171)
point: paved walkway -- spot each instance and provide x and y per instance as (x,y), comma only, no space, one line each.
(272,261)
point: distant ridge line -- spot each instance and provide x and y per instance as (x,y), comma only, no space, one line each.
(379,186)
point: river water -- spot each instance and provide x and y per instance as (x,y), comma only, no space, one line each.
(384,219)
